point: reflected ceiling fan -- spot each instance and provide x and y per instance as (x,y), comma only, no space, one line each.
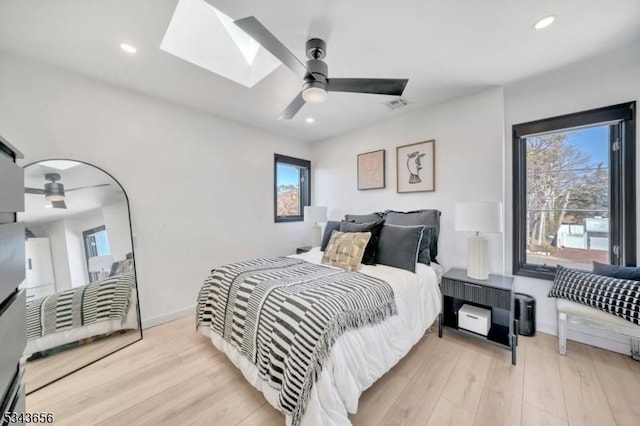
(54,191)
(316,81)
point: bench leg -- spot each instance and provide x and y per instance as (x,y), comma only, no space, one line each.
(635,348)
(562,333)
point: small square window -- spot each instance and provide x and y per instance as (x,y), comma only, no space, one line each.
(292,188)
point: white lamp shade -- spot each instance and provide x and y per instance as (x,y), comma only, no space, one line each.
(315,214)
(100,263)
(478,217)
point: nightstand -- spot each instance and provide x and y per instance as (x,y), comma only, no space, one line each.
(495,294)
(304,249)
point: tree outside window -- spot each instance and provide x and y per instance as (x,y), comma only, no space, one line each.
(292,187)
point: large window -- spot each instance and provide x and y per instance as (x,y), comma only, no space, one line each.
(574,191)
(292,188)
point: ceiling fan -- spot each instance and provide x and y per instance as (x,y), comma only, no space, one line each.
(316,81)
(54,191)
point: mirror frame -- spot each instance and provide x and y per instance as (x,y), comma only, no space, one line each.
(135,271)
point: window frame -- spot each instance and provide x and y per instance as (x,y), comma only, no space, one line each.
(622,183)
(93,276)
(305,187)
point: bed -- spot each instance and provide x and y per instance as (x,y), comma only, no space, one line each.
(359,356)
(95,309)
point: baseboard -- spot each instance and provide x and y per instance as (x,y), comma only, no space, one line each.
(161,319)
(609,341)
(545,328)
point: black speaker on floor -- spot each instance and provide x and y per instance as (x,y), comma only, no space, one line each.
(525,314)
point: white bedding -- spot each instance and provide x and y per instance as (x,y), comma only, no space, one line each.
(359,357)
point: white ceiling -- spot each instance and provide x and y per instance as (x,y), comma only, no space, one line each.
(445,48)
(78,202)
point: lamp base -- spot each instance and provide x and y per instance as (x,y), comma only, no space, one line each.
(316,235)
(477,258)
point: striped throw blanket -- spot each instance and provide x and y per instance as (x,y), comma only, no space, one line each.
(284,315)
(99,301)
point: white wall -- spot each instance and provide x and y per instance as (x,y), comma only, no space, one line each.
(469,167)
(67,242)
(67,247)
(116,222)
(56,232)
(75,255)
(200,187)
(552,95)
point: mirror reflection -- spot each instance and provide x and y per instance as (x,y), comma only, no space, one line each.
(82,300)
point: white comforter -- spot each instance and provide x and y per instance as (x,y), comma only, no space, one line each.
(359,357)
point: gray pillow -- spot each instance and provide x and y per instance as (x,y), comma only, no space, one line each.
(369,257)
(398,246)
(363,218)
(328,229)
(424,255)
(428,218)
(617,271)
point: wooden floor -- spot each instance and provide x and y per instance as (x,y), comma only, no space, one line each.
(45,370)
(176,377)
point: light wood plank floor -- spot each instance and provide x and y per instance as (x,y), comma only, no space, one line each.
(176,377)
(45,370)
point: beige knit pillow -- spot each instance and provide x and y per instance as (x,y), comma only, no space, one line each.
(345,249)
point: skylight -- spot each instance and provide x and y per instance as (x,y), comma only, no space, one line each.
(248,46)
(203,35)
(59,164)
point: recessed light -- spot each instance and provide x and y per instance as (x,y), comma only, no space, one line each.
(310,120)
(544,22)
(128,48)
(48,206)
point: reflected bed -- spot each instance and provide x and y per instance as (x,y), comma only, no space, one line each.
(95,309)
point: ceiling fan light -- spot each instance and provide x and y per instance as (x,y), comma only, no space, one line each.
(54,191)
(314,95)
(55,197)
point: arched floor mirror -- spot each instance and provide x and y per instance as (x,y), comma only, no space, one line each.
(82,298)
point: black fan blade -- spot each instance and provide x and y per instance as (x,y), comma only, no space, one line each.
(293,108)
(263,36)
(59,204)
(33,191)
(378,86)
(89,186)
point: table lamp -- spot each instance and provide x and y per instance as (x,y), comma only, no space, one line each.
(101,265)
(478,217)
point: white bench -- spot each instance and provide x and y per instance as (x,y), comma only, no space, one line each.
(577,313)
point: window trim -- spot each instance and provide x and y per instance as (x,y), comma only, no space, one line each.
(93,276)
(305,190)
(622,182)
